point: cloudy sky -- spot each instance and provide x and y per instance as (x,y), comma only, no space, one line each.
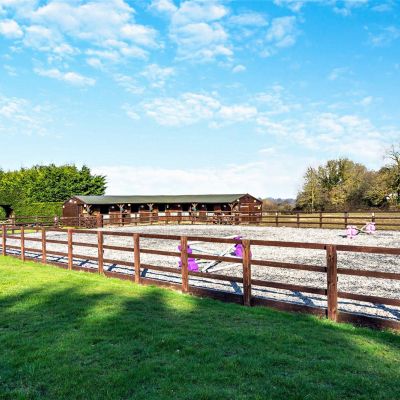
(168,96)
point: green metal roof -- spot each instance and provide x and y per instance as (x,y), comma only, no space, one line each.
(168,199)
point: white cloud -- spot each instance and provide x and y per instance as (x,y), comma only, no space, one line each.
(196,29)
(72,78)
(192,108)
(11,71)
(366,101)
(102,26)
(142,35)
(332,134)
(342,7)
(95,62)
(201,41)
(156,75)
(105,55)
(238,68)
(267,151)
(276,101)
(282,178)
(164,6)
(237,113)
(131,112)
(41,38)
(338,73)
(19,116)
(346,7)
(10,29)
(385,37)
(282,32)
(198,11)
(294,5)
(128,83)
(384,7)
(251,19)
(89,21)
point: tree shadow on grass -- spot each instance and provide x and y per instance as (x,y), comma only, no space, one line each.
(105,341)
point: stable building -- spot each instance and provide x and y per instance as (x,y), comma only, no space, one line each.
(163,205)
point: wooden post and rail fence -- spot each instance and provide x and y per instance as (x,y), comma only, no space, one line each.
(70,259)
(382,219)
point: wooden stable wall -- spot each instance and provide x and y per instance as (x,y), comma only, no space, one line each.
(250,208)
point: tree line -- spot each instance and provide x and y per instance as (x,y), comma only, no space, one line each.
(342,184)
(47,183)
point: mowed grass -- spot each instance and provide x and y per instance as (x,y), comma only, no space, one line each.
(73,335)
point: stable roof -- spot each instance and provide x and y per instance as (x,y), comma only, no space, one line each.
(163,199)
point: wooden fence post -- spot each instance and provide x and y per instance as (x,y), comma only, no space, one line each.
(298,220)
(246,272)
(320,219)
(70,249)
(22,240)
(276,219)
(136,255)
(4,240)
(44,255)
(373,217)
(184,261)
(346,216)
(100,251)
(332,292)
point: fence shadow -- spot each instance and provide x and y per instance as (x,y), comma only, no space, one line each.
(79,339)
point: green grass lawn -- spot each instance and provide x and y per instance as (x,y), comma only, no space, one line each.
(71,335)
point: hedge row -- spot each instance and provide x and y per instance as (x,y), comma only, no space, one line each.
(2,213)
(41,209)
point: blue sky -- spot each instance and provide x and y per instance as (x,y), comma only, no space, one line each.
(168,96)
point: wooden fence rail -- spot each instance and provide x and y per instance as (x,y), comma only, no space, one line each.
(72,258)
(383,220)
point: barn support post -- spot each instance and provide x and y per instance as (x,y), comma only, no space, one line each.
(136,255)
(184,261)
(44,255)
(246,272)
(4,240)
(22,242)
(193,212)
(150,205)
(121,210)
(100,251)
(332,291)
(70,249)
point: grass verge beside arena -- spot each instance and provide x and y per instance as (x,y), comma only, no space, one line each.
(71,335)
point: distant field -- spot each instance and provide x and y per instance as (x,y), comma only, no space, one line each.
(71,335)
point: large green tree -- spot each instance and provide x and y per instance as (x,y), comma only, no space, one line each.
(48,183)
(392,171)
(343,184)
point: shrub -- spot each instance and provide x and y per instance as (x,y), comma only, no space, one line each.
(48,209)
(3,214)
